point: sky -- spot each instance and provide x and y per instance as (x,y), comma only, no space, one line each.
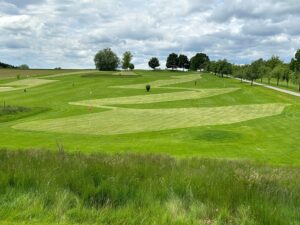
(68,33)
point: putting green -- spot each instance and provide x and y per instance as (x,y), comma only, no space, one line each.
(161,83)
(153,98)
(122,121)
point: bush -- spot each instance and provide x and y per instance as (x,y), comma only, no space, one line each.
(148,87)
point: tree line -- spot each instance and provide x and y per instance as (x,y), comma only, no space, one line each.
(271,69)
(8,66)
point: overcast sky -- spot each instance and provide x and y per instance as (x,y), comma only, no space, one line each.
(68,33)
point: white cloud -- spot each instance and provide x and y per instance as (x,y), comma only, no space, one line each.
(51,33)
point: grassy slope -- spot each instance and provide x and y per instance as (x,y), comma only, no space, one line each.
(272,139)
(59,188)
(13,73)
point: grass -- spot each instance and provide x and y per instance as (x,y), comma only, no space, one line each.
(122,121)
(154,98)
(13,73)
(198,150)
(8,112)
(272,139)
(61,188)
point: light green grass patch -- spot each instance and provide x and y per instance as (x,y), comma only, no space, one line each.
(25,83)
(122,121)
(153,98)
(30,82)
(160,83)
(125,73)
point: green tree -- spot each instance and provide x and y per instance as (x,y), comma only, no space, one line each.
(252,72)
(24,67)
(295,77)
(183,62)
(224,67)
(172,61)
(199,61)
(106,60)
(273,62)
(153,63)
(126,60)
(279,72)
(131,66)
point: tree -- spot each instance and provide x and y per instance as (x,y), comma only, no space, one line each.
(295,62)
(273,62)
(126,61)
(279,72)
(224,67)
(183,62)
(24,67)
(153,63)
(106,60)
(131,66)
(251,72)
(199,61)
(296,79)
(172,61)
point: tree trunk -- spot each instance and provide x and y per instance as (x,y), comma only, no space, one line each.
(251,82)
(241,80)
(277,82)
(261,80)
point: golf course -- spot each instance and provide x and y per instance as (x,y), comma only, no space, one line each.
(95,147)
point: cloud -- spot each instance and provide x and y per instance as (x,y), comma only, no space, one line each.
(51,33)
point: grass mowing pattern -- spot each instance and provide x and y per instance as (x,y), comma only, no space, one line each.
(121,121)
(25,83)
(161,83)
(153,98)
(40,187)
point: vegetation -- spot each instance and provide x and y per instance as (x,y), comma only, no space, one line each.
(24,67)
(61,188)
(275,136)
(126,61)
(153,63)
(199,62)
(172,61)
(106,60)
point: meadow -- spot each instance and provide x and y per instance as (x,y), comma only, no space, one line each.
(90,147)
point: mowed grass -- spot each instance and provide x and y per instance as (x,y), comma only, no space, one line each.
(154,98)
(41,187)
(122,121)
(161,83)
(25,83)
(272,139)
(13,73)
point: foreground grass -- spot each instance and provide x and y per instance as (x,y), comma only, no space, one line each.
(41,187)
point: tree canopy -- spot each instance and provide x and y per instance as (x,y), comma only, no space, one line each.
(172,61)
(153,63)
(199,61)
(183,62)
(106,60)
(126,60)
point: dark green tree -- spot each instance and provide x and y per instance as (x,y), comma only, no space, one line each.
(183,62)
(106,60)
(153,63)
(172,61)
(131,66)
(199,61)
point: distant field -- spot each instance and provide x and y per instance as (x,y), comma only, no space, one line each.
(13,73)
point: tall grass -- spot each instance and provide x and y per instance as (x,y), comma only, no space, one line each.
(42,187)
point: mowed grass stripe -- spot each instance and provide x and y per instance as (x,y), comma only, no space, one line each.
(25,83)
(30,82)
(161,83)
(122,121)
(153,98)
